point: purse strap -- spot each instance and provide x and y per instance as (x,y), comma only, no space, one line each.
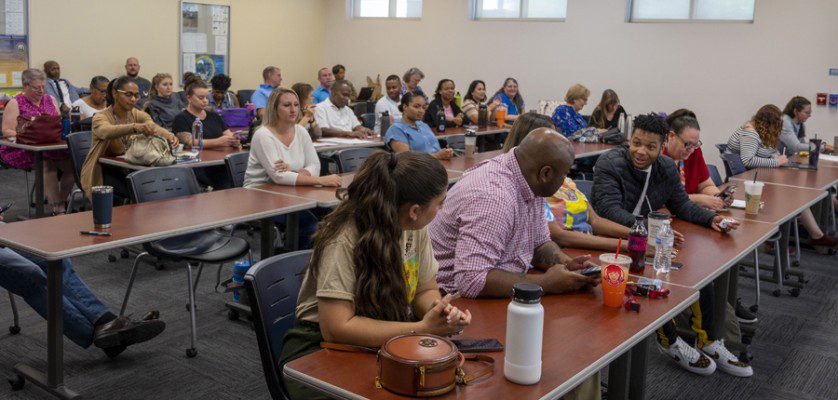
(487,370)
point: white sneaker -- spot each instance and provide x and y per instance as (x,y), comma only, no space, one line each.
(688,358)
(726,360)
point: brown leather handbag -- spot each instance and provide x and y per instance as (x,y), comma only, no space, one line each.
(40,129)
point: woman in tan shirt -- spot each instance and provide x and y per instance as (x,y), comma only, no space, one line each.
(111,129)
(372,274)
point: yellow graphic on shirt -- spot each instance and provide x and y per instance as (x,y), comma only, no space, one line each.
(411,276)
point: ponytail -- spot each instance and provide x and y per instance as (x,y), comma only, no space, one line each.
(371,204)
(113,85)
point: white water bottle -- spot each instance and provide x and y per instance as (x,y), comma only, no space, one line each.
(198,136)
(524,334)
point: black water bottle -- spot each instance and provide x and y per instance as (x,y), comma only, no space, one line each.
(441,118)
(385,123)
(482,116)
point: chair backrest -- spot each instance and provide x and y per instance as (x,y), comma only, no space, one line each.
(273,285)
(349,160)
(714,174)
(368,120)
(244,96)
(456,142)
(79,144)
(586,187)
(236,167)
(733,164)
(161,183)
(722,148)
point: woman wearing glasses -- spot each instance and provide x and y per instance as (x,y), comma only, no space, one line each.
(95,101)
(684,147)
(111,129)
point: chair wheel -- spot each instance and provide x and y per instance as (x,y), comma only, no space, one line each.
(111,258)
(189,309)
(795,292)
(159,266)
(776,292)
(795,263)
(233,315)
(17,382)
(14,330)
(124,253)
(191,353)
(786,276)
(754,308)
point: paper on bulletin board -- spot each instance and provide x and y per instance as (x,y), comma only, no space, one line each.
(194,42)
(14,6)
(15,24)
(219,27)
(220,13)
(208,65)
(17,78)
(188,62)
(221,45)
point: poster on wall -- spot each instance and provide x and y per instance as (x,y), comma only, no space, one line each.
(208,65)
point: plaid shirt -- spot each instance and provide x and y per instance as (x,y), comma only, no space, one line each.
(491,220)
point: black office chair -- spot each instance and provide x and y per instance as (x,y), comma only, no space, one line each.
(722,148)
(586,187)
(273,286)
(79,144)
(457,142)
(714,175)
(195,248)
(349,160)
(236,167)
(733,164)
(244,96)
(368,120)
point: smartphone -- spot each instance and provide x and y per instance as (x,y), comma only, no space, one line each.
(6,207)
(675,265)
(727,192)
(591,271)
(478,345)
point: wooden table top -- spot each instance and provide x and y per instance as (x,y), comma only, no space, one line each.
(325,196)
(10,142)
(459,130)
(581,336)
(462,163)
(821,179)
(706,253)
(583,150)
(782,203)
(210,157)
(58,237)
(322,146)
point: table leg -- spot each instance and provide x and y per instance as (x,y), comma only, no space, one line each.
(268,239)
(53,382)
(637,372)
(39,184)
(292,231)
(732,289)
(618,377)
(720,286)
(785,234)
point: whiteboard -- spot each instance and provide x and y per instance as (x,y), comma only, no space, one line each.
(14,41)
(204,39)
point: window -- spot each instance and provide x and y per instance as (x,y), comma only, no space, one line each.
(685,10)
(386,8)
(520,9)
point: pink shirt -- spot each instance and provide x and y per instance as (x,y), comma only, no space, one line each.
(491,220)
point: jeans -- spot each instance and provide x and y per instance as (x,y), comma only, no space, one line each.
(25,276)
(215,176)
(307,226)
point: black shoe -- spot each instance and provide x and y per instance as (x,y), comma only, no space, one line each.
(743,314)
(124,332)
(112,352)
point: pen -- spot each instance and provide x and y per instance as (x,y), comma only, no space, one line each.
(95,233)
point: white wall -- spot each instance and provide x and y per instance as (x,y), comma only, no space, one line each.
(722,71)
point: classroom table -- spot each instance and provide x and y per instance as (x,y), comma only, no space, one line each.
(581,336)
(56,238)
(459,130)
(37,152)
(325,196)
(210,157)
(462,163)
(583,150)
(822,178)
(337,144)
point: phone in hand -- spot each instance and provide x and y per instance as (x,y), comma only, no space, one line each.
(727,192)
(478,345)
(591,271)
(6,207)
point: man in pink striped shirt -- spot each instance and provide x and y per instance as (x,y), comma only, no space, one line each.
(492,226)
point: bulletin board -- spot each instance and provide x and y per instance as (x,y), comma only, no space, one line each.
(14,42)
(204,39)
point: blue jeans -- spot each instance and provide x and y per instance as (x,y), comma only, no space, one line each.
(25,276)
(307,226)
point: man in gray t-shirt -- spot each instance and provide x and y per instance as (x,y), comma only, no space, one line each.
(132,70)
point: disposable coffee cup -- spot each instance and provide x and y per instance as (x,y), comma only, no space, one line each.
(655,220)
(102,206)
(753,195)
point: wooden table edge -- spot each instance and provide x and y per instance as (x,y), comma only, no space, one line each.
(33,147)
(556,393)
(794,214)
(742,179)
(137,167)
(80,251)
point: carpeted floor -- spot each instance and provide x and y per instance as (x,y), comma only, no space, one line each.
(795,349)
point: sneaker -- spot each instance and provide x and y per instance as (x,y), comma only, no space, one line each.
(744,315)
(688,358)
(726,361)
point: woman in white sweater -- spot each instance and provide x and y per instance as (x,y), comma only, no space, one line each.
(281,152)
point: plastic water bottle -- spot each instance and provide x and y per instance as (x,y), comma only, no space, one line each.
(198,135)
(458,99)
(524,334)
(664,240)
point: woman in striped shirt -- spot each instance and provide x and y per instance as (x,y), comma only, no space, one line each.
(756,141)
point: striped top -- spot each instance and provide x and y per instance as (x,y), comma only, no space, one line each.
(751,150)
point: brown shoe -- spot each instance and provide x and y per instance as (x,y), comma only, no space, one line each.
(124,332)
(825,241)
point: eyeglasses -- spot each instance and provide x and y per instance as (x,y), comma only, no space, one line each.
(687,145)
(40,88)
(134,95)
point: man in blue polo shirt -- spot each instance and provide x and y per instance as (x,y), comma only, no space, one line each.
(324,91)
(273,77)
